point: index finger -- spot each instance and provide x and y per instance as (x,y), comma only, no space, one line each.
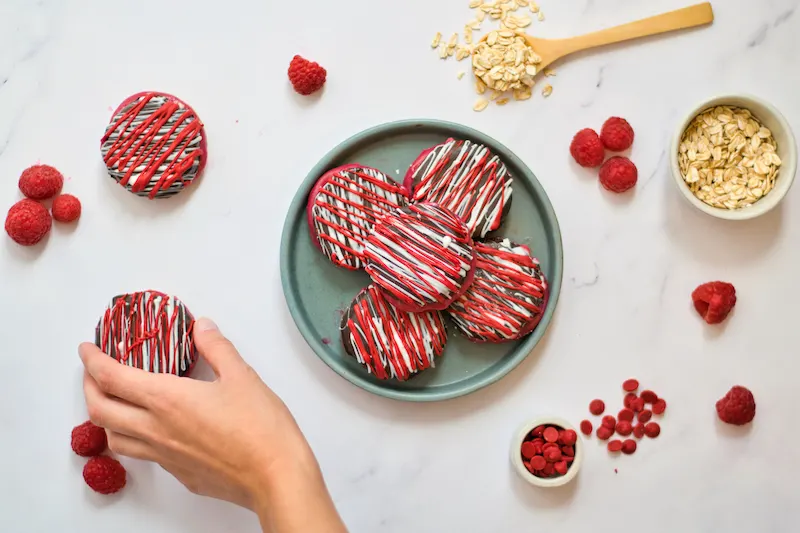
(131,384)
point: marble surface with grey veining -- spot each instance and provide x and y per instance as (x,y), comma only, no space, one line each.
(631,262)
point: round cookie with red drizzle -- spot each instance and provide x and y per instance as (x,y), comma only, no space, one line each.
(421,256)
(391,343)
(148,330)
(342,208)
(155,145)
(507,297)
(465,177)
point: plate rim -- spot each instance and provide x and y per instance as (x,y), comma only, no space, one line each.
(300,201)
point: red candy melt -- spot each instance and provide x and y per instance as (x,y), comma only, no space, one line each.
(551,434)
(659,407)
(638,431)
(624,428)
(649,396)
(629,446)
(548,451)
(652,430)
(586,427)
(596,407)
(614,445)
(626,415)
(609,422)
(645,416)
(630,385)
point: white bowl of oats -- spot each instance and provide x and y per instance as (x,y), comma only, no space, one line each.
(734,157)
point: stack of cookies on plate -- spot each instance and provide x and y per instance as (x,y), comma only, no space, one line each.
(427,248)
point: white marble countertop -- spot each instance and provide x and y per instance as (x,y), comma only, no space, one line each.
(630,262)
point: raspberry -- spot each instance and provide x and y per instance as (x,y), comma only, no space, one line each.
(596,407)
(586,149)
(66,208)
(88,440)
(586,427)
(306,77)
(40,182)
(714,300)
(738,407)
(104,474)
(616,134)
(618,174)
(28,222)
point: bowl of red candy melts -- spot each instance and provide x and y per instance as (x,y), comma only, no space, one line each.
(547,452)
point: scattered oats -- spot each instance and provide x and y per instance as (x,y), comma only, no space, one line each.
(463,52)
(443,52)
(460,75)
(534,7)
(523,94)
(502,101)
(547,90)
(495,95)
(453,40)
(436,40)
(480,105)
(468,35)
(480,87)
(523,22)
(541,16)
(727,158)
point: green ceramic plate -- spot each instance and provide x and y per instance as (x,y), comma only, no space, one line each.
(317,291)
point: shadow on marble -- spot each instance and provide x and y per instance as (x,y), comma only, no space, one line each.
(719,242)
(140,206)
(27,253)
(540,497)
(730,431)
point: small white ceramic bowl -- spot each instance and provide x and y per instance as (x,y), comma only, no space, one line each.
(786,149)
(516,453)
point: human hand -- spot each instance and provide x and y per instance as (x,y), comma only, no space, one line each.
(231,439)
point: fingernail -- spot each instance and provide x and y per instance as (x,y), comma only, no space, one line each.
(205,324)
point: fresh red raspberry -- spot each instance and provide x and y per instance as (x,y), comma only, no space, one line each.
(738,407)
(40,182)
(616,134)
(618,174)
(714,300)
(28,222)
(586,149)
(306,77)
(104,474)
(88,440)
(66,208)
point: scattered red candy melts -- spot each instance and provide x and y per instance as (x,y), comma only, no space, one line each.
(587,148)
(596,407)
(629,398)
(629,446)
(604,433)
(618,174)
(616,134)
(40,182)
(28,222)
(549,450)
(626,414)
(104,474)
(637,405)
(614,445)
(306,77)
(609,422)
(586,427)
(649,396)
(737,407)
(88,440)
(714,300)
(66,208)
(652,429)
(638,431)
(624,428)
(645,416)
(659,407)
(630,385)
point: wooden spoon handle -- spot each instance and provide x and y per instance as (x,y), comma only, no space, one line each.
(688,17)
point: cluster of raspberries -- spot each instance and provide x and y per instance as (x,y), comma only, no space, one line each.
(102,473)
(617,174)
(28,221)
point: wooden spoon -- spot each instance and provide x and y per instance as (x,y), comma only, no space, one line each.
(552,50)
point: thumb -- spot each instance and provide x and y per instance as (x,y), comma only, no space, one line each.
(221,355)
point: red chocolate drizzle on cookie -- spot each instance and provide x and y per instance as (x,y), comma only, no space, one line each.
(345,208)
(153,145)
(420,255)
(507,297)
(391,343)
(148,330)
(466,178)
